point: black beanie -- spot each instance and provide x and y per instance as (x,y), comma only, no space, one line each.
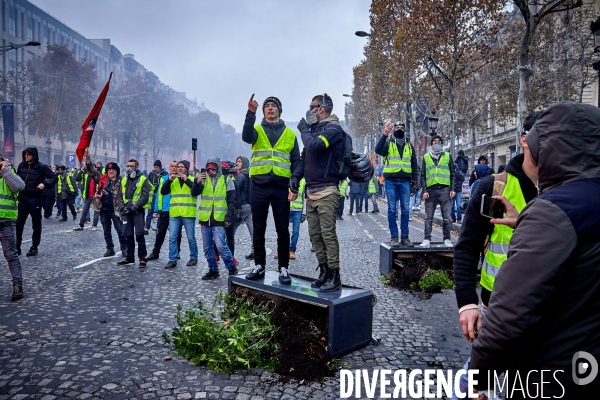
(115,166)
(437,137)
(157,163)
(186,163)
(274,100)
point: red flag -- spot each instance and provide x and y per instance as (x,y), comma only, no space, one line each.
(90,122)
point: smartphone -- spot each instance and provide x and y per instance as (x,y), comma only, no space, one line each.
(491,208)
(203,170)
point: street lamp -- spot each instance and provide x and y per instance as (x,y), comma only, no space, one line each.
(433,122)
(362,34)
(105,158)
(347,95)
(146,161)
(49,149)
(12,46)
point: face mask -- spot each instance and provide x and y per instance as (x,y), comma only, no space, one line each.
(437,147)
(131,172)
(212,172)
(399,134)
(311,118)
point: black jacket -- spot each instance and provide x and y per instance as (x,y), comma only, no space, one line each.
(475,228)
(423,179)
(273,131)
(130,186)
(323,147)
(243,184)
(545,305)
(34,174)
(462,162)
(382,147)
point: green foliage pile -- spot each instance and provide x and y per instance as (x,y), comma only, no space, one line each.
(435,278)
(230,335)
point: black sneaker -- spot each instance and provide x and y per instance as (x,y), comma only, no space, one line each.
(75,217)
(284,277)
(17,293)
(192,262)
(143,264)
(171,265)
(250,256)
(257,273)
(152,256)
(109,253)
(233,271)
(211,275)
(125,262)
(78,228)
(33,251)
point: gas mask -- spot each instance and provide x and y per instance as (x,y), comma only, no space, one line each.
(212,170)
(131,173)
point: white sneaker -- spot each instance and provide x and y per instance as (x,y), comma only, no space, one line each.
(448,243)
(425,243)
(94,228)
(410,219)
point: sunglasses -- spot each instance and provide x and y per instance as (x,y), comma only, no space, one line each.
(313,106)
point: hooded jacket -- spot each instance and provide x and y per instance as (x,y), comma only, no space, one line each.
(197,189)
(382,148)
(323,147)
(34,174)
(545,305)
(273,130)
(243,182)
(462,162)
(480,172)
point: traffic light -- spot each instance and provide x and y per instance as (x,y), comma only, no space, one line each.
(194,144)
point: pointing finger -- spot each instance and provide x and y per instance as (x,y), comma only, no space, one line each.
(252,97)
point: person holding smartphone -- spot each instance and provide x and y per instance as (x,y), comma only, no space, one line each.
(10,185)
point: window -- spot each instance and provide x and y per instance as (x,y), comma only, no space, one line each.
(12,60)
(12,21)
(29,28)
(22,27)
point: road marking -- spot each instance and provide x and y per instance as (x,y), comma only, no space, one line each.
(368,234)
(96,260)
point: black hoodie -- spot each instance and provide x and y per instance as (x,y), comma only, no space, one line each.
(33,174)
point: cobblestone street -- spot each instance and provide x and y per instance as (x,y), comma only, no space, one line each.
(88,329)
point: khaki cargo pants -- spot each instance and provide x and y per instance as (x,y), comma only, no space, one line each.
(321,215)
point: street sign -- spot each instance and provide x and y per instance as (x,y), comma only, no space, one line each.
(71,158)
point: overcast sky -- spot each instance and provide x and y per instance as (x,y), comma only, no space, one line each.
(220,52)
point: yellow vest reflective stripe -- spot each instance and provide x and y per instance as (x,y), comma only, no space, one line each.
(69,183)
(297,204)
(213,201)
(160,196)
(8,202)
(393,162)
(437,174)
(372,189)
(498,245)
(277,159)
(138,190)
(182,203)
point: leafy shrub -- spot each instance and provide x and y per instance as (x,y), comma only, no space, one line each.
(435,277)
(230,335)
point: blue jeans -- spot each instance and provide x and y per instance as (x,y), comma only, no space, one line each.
(295,217)
(415,201)
(174,229)
(398,191)
(78,199)
(216,234)
(8,239)
(456,202)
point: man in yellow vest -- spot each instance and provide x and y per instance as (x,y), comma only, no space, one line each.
(275,155)
(10,185)
(372,194)
(401,172)
(216,212)
(133,202)
(182,211)
(342,199)
(65,193)
(437,174)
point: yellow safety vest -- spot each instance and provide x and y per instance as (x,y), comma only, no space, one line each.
(498,244)
(393,162)
(213,201)
(372,189)
(277,159)
(69,183)
(8,201)
(138,190)
(437,174)
(298,203)
(182,203)
(342,187)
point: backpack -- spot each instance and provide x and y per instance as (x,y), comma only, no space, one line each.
(345,163)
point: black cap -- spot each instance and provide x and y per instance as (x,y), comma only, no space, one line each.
(115,166)
(437,137)
(157,163)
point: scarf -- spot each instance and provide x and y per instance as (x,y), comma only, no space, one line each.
(435,150)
